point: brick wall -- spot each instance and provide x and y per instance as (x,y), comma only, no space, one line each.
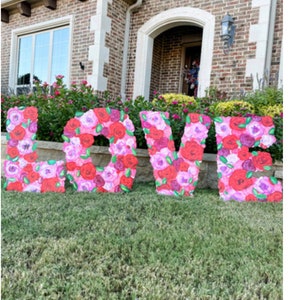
(228,71)
(82,37)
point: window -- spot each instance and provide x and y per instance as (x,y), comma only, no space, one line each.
(41,56)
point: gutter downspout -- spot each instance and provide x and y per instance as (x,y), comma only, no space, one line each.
(126,45)
(270,39)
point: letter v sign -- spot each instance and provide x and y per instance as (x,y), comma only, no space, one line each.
(175,173)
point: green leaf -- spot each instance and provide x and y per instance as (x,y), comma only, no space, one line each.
(100,169)
(99,128)
(129,132)
(223,159)
(188,119)
(230,166)
(33,138)
(218,119)
(175,155)
(242,125)
(176,193)
(157,183)
(272,131)
(219,175)
(249,174)
(259,196)
(57,184)
(255,153)
(195,183)
(248,120)
(133,150)
(77,130)
(256,144)
(5,184)
(24,125)
(108,110)
(62,174)
(26,180)
(51,162)
(144,117)
(273,179)
(127,172)
(79,113)
(75,186)
(267,168)
(124,188)
(34,146)
(15,159)
(169,160)
(111,140)
(8,122)
(122,114)
(94,190)
(7,136)
(65,138)
(164,181)
(198,163)
(220,146)
(146,130)
(239,143)
(113,159)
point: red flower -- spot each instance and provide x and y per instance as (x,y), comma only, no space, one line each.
(31,113)
(101,190)
(251,198)
(235,122)
(12,151)
(192,151)
(130,161)
(33,176)
(230,142)
(18,133)
(155,133)
(163,187)
(275,197)
(152,150)
(194,117)
(261,160)
(171,145)
(28,168)
(244,153)
(88,171)
(72,124)
(267,121)
(117,130)
(71,166)
(86,139)
(184,166)
(221,186)
(15,186)
(102,115)
(169,173)
(238,180)
(31,157)
(49,185)
(128,181)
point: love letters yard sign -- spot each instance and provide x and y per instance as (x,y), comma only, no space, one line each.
(175,172)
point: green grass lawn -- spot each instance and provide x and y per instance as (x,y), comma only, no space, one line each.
(139,245)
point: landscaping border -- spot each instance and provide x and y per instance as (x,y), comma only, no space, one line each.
(101,156)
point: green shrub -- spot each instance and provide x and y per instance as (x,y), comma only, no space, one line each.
(236,108)
(57,107)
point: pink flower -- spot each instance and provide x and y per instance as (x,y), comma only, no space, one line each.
(84,82)
(59,76)
(176,117)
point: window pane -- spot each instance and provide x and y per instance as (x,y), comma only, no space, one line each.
(41,56)
(24,63)
(60,54)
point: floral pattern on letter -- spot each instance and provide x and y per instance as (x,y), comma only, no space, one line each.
(78,137)
(175,173)
(236,164)
(22,172)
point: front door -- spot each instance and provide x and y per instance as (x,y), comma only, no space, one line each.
(191,69)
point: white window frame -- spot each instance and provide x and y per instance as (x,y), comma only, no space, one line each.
(44,26)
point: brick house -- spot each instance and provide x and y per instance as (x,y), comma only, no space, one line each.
(133,47)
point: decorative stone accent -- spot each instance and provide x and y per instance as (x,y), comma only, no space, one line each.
(101,157)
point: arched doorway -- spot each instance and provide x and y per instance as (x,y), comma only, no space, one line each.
(182,16)
(176,60)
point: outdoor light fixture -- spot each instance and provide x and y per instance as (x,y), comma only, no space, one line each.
(227,33)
